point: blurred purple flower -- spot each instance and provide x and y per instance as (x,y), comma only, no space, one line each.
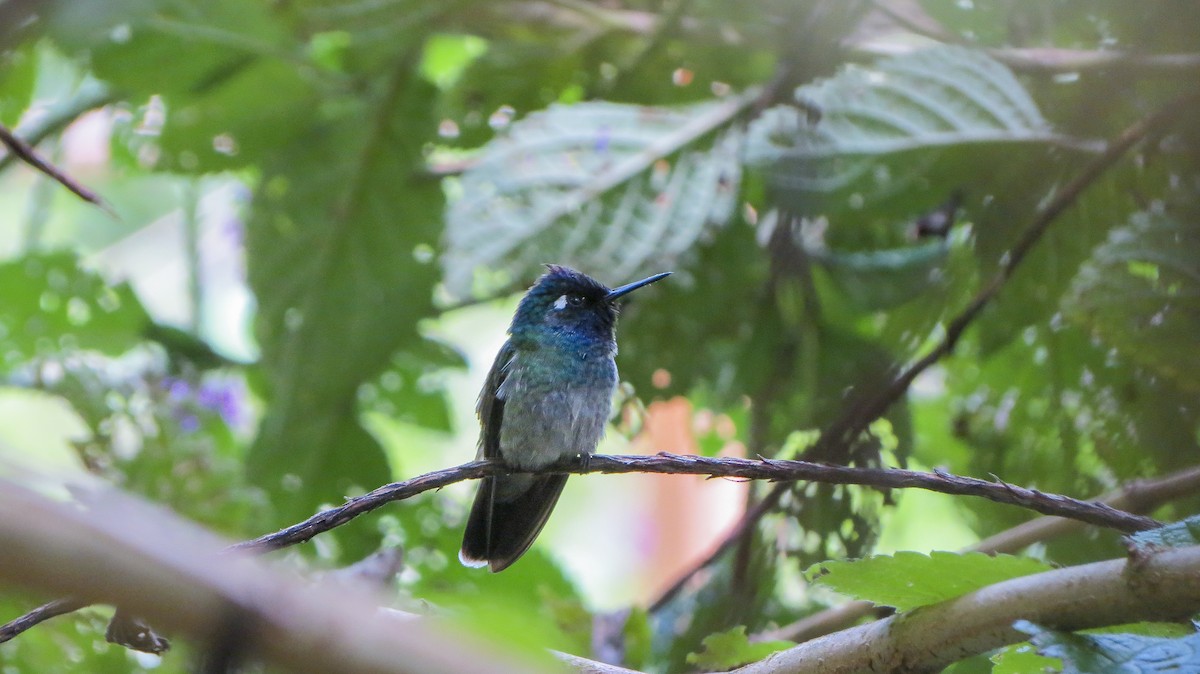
(225,397)
(177,389)
(189,423)
(603,137)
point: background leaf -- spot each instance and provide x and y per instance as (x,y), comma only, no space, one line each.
(51,305)
(342,281)
(1141,293)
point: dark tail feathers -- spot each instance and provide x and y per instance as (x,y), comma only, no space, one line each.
(499,532)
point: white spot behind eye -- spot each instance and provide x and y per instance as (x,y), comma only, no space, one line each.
(561,302)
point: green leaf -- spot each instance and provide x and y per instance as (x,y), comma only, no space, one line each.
(730,595)
(233,123)
(1115,653)
(211,64)
(880,140)
(1141,293)
(411,389)
(1022,658)
(340,247)
(447,56)
(732,648)
(882,279)
(1174,535)
(51,305)
(621,189)
(1035,295)
(18,75)
(910,579)
(638,638)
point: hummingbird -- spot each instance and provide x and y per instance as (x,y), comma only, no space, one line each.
(546,398)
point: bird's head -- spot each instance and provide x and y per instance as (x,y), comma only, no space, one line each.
(570,303)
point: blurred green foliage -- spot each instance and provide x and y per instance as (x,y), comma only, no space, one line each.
(395,159)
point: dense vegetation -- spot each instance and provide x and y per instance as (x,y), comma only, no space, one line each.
(841,188)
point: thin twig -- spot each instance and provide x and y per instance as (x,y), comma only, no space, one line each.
(753,469)
(25,153)
(857,418)
(38,615)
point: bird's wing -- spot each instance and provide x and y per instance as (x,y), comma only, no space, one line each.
(491,403)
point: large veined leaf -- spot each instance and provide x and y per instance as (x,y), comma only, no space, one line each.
(1141,293)
(618,189)
(872,140)
(336,243)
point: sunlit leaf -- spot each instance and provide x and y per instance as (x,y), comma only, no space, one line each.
(732,648)
(1022,658)
(907,580)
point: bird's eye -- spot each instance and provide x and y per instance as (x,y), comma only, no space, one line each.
(575,300)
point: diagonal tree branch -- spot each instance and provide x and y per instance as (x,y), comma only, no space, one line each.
(754,469)
(838,435)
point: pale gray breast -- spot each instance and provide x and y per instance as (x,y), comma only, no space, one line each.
(546,420)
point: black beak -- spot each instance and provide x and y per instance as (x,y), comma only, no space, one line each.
(630,287)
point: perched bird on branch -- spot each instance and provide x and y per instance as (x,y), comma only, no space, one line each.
(547,397)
